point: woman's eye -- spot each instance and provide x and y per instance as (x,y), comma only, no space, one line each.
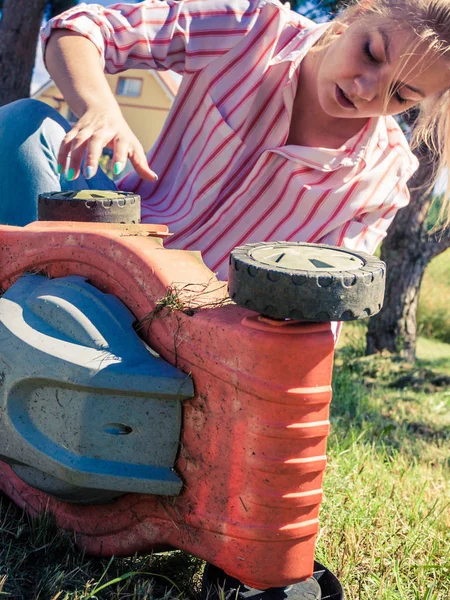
(400,99)
(368,53)
(394,93)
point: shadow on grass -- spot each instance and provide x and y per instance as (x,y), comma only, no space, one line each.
(39,560)
(398,406)
(440,364)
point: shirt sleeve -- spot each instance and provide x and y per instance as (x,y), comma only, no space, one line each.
(182,35)
(365,231)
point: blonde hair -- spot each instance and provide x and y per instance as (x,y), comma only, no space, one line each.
(430,21)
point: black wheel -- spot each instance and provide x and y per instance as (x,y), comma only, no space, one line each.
(94,206)
(323,585)
(307,282)
(218,585)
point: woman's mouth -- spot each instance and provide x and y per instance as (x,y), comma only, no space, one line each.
(342,99)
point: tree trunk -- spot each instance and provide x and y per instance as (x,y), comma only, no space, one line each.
(19,29)
(407,250)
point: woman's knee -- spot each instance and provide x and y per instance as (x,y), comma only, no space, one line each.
(31,132)
(22,118)
(28,109)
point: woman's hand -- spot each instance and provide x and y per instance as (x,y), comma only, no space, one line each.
(88,94)
(95,130)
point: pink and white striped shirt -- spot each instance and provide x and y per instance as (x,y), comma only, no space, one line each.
(226,175)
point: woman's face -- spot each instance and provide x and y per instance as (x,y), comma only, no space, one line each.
(368,58)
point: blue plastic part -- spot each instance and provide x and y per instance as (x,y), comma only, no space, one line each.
(82,398)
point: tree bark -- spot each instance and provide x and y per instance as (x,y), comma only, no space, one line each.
(407,250)
(19,29)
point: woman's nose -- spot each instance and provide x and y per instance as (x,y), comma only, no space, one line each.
(366,87)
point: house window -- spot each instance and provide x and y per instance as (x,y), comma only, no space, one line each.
(129,86)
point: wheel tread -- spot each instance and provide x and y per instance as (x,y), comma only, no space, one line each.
(280,292)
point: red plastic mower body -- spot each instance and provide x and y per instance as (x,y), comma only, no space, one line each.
(253,444)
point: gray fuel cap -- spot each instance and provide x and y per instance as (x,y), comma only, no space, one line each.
(94,206)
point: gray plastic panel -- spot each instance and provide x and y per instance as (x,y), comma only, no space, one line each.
(82,398)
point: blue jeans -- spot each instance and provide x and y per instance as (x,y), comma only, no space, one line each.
(30,136)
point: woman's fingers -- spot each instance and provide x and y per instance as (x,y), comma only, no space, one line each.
(64,150)
(77,151)
(93,153)
(140,164)
(120,156)
(88,138)
(129,146)
(72,150)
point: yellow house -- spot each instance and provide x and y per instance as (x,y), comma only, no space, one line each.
(145,98)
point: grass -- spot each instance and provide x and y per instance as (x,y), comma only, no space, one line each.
(386,516)
(40,562)
(434,308)
(385,519)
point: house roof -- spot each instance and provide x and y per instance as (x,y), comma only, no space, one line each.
(166,79)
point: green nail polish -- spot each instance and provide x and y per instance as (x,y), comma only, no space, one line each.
(117,168)
(70,174)
(59,168)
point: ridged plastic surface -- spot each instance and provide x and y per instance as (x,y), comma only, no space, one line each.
(97,206)
(253,446)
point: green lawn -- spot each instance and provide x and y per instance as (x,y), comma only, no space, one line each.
(434,305)
(386,515)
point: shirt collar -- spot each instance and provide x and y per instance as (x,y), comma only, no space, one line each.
(295,51)
(355,154)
